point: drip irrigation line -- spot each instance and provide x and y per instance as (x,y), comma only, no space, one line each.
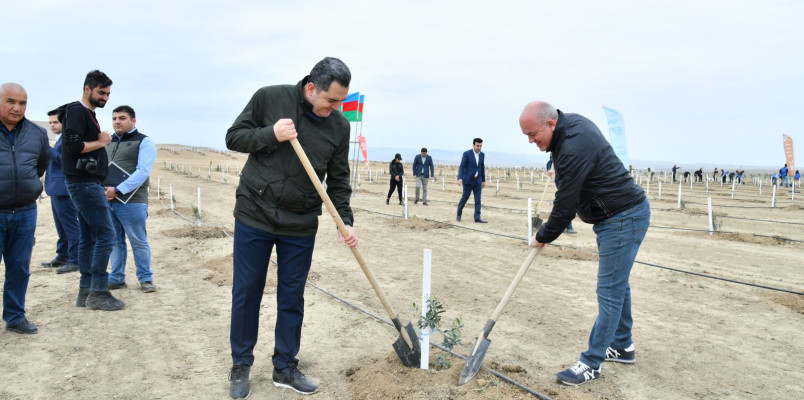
(726,232)
(720,278)
(462,357)
(732,217)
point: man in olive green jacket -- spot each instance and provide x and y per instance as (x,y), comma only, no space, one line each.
(277,205)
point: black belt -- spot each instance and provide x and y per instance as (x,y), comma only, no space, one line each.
(18,209)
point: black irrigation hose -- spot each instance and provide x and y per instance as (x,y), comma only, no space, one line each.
(726,232)
(462,357)
(640,262)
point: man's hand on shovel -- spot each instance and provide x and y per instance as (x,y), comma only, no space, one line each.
(351,239)
(535,243)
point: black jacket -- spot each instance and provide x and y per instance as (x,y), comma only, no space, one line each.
(396,169)
(21,166)
(275,194)
(592,180)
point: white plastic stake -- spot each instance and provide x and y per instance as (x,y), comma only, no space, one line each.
(158,187)
(199,206)
(773,199)
(498,186)
(405,197)
(760,186)
(425,340)
(648,192)
(733,183)
(660,190)
(711,224)
(679,194)
(530,220)
(171,197)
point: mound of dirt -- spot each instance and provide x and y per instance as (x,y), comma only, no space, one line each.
(199,232)
(566,253)
(749,238)
(417,224)
(387,378)
(792,301)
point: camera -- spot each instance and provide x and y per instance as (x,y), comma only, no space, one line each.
(89,165)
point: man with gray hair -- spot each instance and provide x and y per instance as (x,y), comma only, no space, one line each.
(24,157)
(277,205)
(593,182)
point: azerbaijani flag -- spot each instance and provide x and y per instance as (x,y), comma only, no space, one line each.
(360,108)
(350,106)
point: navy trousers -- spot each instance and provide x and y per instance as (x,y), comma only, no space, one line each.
(473,186)
(252,253)
(65,217)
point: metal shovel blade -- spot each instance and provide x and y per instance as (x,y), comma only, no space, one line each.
(474,361)
(410,357)
(536,222)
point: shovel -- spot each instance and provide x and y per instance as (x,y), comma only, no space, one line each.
(408,350)
(475,358)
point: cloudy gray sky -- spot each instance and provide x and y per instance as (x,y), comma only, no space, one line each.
(695,81)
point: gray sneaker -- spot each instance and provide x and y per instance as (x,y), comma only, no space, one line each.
(115,286)
(69,267)
(104,301)
(239,388)
(81,301)
(293,379)
(147,287)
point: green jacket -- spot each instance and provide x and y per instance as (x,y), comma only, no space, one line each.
(275,194)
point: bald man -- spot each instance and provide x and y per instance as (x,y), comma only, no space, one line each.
(593,182)
(24,156)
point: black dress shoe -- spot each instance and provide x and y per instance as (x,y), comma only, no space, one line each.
(387,201)
(425,203)
(54,263)
(24,327)
(458,218)
(481,221)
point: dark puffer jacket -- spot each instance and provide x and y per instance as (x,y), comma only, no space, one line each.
(21,166)
(592,181)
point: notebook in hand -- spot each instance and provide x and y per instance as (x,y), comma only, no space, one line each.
(115,177)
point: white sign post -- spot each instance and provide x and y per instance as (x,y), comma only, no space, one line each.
(679,194)
(711,224)
(425,339)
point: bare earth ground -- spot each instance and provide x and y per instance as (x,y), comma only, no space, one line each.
(696,338)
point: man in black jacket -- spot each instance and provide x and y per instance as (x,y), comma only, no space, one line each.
(85,164)
(594,184)
(277,205)
(24,156)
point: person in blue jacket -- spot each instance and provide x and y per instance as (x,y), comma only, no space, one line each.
(65,216)
(423,171)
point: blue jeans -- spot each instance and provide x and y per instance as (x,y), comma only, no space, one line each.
(16,244)
(618,240)
(66,220)
(474,186)
(96,234)
(129,221)
(252,252)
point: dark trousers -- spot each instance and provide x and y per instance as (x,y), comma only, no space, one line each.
(96,234)
(66,219)
(16,244)
(473,186)
(252,253)
(395,184)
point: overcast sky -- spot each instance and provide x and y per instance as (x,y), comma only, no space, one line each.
(695,81)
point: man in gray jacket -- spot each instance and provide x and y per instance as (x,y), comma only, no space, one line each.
(24,156)
(277,205)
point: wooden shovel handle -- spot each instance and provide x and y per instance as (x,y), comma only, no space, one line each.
(544,192)
(345,232)
(512,287)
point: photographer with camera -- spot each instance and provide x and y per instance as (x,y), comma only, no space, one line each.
(85,164)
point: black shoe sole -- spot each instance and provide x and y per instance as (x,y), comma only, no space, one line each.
(21,331)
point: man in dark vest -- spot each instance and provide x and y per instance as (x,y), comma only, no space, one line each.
(65,216)
(131,156)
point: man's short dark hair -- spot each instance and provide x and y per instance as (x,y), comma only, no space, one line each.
(424,149)
(97,79)
(126,109)
(477,140)
(327,70)
(53,112)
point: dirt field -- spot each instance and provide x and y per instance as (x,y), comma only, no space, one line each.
(696,337)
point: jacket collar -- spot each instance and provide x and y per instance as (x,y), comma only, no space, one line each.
(305,105)
(558,132)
